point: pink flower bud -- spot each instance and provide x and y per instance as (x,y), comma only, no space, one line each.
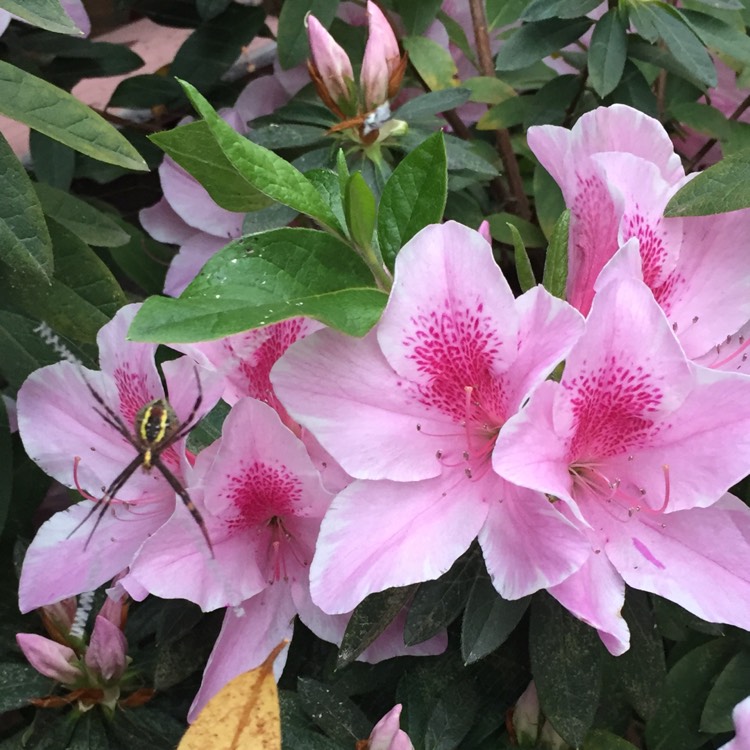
(526,717)
(387,735)
(49,658)
(381,61)
(330,63)
(107,651)
(484,230)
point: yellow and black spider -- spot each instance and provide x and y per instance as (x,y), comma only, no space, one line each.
(156,428)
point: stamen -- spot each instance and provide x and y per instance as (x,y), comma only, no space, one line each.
(744,345)
(81,491)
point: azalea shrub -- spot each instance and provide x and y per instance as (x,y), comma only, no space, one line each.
(398,349)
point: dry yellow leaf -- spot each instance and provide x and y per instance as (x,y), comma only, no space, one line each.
(243,715)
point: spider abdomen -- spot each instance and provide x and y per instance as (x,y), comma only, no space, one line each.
(155,423)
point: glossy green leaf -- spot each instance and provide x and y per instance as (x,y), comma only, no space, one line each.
(548,199)
(89,732)
(488,620)
(438,603)
(452,717)
(292,35)
(25,245)
(433,62)
(488,90)
(195,149)
(600,739)
(676,723)
(370,619)
(556,262)
(524,271)
(287,135)
(46,14)
(723,187)
(212,48)
(703,118)
(332,710)
(534,41)
(530,233)
(19,683)
(731,687)
(263,279)
(58,114)
(539,10)
(261,168)
(719,35)
(416,17)
(413,197)
(211,8)
(359,206)
(566,658)
(85,221)
(6,463)
(53,162)
(146,91)
(608,51)
(433,103)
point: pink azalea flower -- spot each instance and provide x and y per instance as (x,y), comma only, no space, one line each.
(640,443)
(330,64)
(570,157)
(381,61)
(262,500)
(741,719)
(413,411)
(387,733)
(63,430)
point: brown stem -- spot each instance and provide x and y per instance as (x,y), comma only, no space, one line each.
(711,142)
(487,68)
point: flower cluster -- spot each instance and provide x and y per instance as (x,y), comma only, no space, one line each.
(349,466)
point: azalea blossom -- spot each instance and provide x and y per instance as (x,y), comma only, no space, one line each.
(262,500)
(387,733)
(412,411)
(741,719)
(69,435)
(640,444)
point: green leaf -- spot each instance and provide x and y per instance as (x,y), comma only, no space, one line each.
(332,710)
(52,161)
(292,36)
(287,135)
(211,8)
(263,279)
(433,62)
(488,90)
(438,603)
(452,717)
(416,17)
(413,197)
(676,723)
(719,35)
(6,462)
(85,221)
(359,206)
(25,245)
(370,619)
(46,14)
(433,103)
(566,661)
(195,149)
(19,683)
(703,118)
(89,732)
(539,10)
(27,346)
(723,187)
(505,115)
(530,233)
(556,262)
(146,728)
(641,670)
(731,686)
(58,114)
(488,620)
(264,170)
(534,41)
(212,48)
(548,199)
(524,271)
(599,739)
(146,91)
(608,51)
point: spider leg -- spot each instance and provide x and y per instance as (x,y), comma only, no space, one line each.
(188,424)
(103,503)
(109,415)
(189,504)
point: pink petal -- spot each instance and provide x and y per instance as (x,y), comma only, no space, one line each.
(49,658)
(77,13)
(382,534)
(343,390)
(190,201)
(330,59)
(514,541)
(107,650)
(182,376)
(5,19)
(596,594)
(741,719)
(387,733)
(698,558)
(260,97)
(187,264)
(164,225)
(248,635)
(111,549)
(381,58)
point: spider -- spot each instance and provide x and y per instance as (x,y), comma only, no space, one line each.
(156,428)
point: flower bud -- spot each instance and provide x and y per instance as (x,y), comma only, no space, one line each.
(387,734)
(382,68)
(49,658)
(526,716)
(107,651)
(330,68)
